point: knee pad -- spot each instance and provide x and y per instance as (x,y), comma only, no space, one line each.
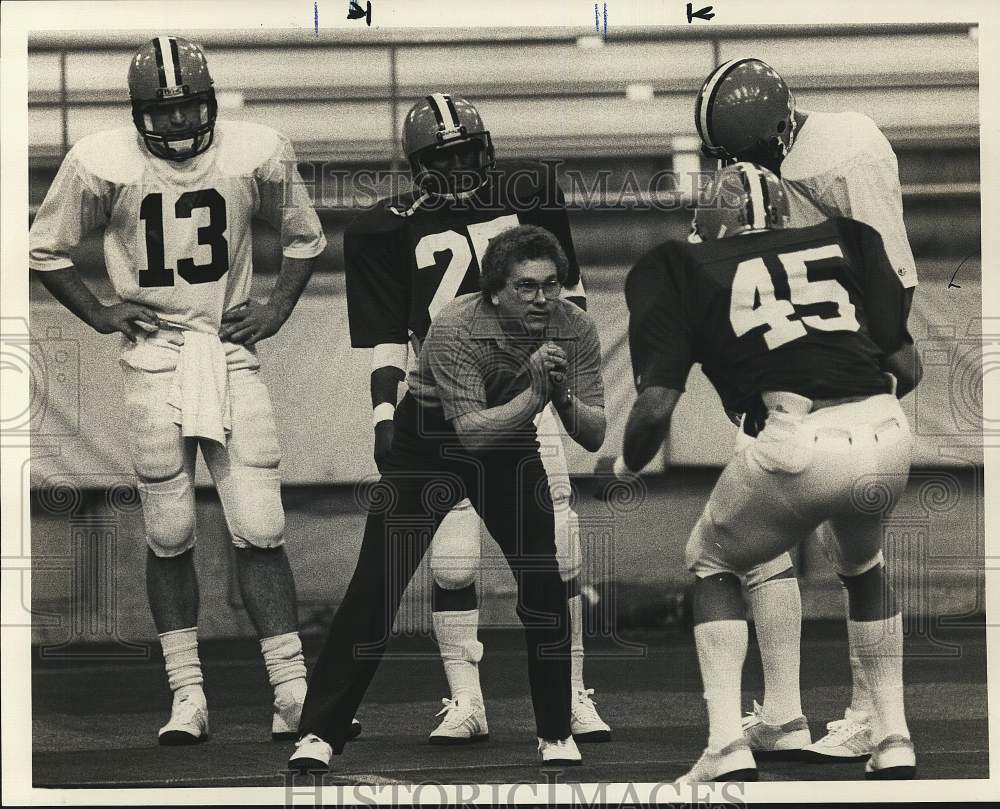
(246,469)
(759,574)
(568,552)
(455,549)
(168,514)
(158,450)
(253,508)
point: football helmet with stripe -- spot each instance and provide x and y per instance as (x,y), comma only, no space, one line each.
(448,146)
(745,111)
(745,198)
(173,98)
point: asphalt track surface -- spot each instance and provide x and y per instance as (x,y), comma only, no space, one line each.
(95,723)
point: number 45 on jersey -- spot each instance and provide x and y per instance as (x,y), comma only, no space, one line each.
(754,304)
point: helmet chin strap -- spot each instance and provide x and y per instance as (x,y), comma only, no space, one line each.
(455,195)
(460,195)
(161,146)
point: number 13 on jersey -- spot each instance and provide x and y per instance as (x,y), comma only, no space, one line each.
(211,235)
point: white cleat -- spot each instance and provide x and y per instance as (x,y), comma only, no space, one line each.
(734,762)
(847,739)
(559,752)
(464,722)
(774,741)
(585,723)
(311,754)
(188,723)
(893,759)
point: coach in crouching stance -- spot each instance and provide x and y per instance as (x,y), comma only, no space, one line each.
(490,362)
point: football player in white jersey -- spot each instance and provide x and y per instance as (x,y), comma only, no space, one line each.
(176,194)
(830,165)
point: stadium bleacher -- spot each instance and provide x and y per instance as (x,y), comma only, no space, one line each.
(570,96)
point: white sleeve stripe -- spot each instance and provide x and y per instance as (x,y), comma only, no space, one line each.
(383,412)
(385,354)
(309,250)
(49,262)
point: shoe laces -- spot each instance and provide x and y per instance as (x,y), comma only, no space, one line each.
(585,703)
(449,705)
(754,717)
(455,712)
(842,729)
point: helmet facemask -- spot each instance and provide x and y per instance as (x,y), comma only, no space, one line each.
(771,153)
(173,98)
(746,199)
(454,167)
(163,138)
(448,145)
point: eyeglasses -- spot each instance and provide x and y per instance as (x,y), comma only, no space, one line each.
(528,290)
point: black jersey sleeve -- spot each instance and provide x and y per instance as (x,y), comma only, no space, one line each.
(885,299)
(377,284)
(660,338)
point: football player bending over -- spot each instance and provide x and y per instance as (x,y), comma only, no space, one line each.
(830,164)
(805,329)
(176,194)
(405,259)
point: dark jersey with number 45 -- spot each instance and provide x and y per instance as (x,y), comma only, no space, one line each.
(408,256)
(809,310)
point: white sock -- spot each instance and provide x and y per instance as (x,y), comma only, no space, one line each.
(879,647)
(286,666)
(861,698)
(776,607)
(575,609)
(180,657)
(722,648)
(461,651)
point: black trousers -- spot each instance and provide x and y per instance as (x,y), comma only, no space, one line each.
(426,474)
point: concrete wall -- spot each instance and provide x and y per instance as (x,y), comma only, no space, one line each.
(88,560)
(86,531)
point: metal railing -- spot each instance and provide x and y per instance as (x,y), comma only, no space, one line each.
(397,93)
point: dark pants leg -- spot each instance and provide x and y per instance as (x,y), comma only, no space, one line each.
(407,506)
(512,496)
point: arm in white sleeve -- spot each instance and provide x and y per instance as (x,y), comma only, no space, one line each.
(869,191)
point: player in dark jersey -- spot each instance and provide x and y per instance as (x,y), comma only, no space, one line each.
(405,259)
(830,164)
(805,327)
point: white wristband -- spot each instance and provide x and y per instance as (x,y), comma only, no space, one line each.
(620,469)
(393,354)
(383,412)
